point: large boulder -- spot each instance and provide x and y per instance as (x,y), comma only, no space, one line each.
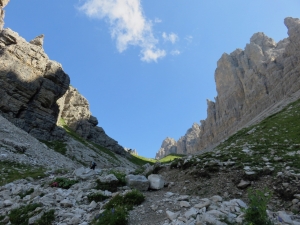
(156,181)
(138,182)
(85,173)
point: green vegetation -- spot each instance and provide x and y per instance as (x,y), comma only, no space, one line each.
(140,160)
(256,213)
(114,216)
(275,140)
(170,158)
(72,133)
(46,219)
(20,216)
(116,210)
(106,151)
(97,197)
(11,171)
(95,147)
(129,200)
(57,146)
(120,176)
(63,182)
(28,192)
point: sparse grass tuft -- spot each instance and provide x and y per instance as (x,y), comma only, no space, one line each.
(256,213)
(63,182)
(11,171)
(57,146)
(20,216)
(97,197)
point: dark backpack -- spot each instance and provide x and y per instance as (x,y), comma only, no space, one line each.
(94,164)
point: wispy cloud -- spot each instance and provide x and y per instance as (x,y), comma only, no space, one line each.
(175,52)
(157,20)
(128,25)
(189,38)
(171,37)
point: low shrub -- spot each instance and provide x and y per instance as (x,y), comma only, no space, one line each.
(113,187)
(120,176)
(129,200)
(114,216)
(20,216)
(256,213)
(46,219)
(63,182)
(97,197)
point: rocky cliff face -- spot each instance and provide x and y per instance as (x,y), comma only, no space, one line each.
(75,111)
(248,82)
(30,84)
(3,3)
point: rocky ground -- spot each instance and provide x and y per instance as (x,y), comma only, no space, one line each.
(185,198)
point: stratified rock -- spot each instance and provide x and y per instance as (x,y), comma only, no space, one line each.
(75,111)
(249,82)
(38,41)
(138,182)
(168,146)
(30,85)
(3,3)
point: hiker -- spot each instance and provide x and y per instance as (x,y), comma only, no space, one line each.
(93,165)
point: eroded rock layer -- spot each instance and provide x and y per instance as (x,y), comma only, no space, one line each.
(248,82)
(75,111)
(3,3)
(30,85)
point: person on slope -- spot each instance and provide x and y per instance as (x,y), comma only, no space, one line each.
(93,165)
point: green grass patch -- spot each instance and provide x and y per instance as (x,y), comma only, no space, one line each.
(20,216)
(170,158)
(120,176)
(72,133)
(114,216)
(57,146)
(140,160)
(46,219)
(63,182)
(11,171)
(276,138)
(97,197)
(129,200)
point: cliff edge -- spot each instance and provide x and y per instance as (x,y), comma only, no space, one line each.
(248,82)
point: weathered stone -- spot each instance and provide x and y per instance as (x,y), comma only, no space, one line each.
(84,173)
(243,184)
(138,182)
(171,215)
(156,181)
(38,41)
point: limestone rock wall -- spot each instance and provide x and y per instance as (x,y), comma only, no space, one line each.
(30,85)
(3,3)
(75,111)
(248,82)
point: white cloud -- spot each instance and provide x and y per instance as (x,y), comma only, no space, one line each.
(189,38)
(157,20)
(175,52)
(171,37)
(128,25)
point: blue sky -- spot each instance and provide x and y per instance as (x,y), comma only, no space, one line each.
(146,67)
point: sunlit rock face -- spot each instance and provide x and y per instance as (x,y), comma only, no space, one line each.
(30,85)
(3,3)
(248,82)
(75,111)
